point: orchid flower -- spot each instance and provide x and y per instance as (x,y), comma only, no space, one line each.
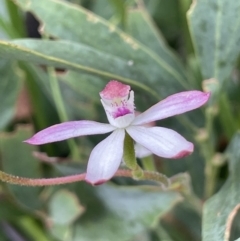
(118,102)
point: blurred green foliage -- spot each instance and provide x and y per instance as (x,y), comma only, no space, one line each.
(159,47)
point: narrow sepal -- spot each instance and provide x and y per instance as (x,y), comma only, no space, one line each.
(68,130)
(173,105)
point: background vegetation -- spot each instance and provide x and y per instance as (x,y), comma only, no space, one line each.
(55,57)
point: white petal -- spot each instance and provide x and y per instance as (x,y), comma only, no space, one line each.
(105,158)
(161,141)
(141,151)
(173,105)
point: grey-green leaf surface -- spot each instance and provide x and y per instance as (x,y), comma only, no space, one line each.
(17,159)
(65,54)
(125,211)
(215,30)
(10,86)
(59,19)
(140,25)
(80,92)
(64,207)
(221,208)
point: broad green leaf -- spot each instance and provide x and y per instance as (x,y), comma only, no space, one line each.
(10,86)
(136,62)
(64,207)
(215,30)
(121,213)
(65,54)
(141,26)
(17,159)
(103,9)
(221,208)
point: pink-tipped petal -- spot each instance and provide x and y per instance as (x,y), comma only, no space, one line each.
(161,141)
(105,158)
(68,130)
(173,105)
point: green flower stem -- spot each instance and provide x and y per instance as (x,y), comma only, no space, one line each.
(228,120)
(147,175)
(218,104)
(148,163)
(130,158)
(208,150)
(61,110)
(129,153)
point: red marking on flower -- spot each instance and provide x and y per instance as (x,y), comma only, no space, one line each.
(182,154)
(121,112)
(115,89)
(100,182)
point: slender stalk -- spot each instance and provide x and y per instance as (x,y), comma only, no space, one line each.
(148,163)
(147,175)
(228,120)
(208,152)
(40,181)
(130,158)
(8,178)
(61,110)
(129,153)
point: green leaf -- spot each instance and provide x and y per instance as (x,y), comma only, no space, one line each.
(182,223)
(65,54)
(17,159)
(221,208)
(61,232)
(9,210)
(10,86)
(125,211)
(141,26)
(124,57)
(214,26)
(64,207)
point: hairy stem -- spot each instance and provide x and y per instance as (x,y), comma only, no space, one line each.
(153,176)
